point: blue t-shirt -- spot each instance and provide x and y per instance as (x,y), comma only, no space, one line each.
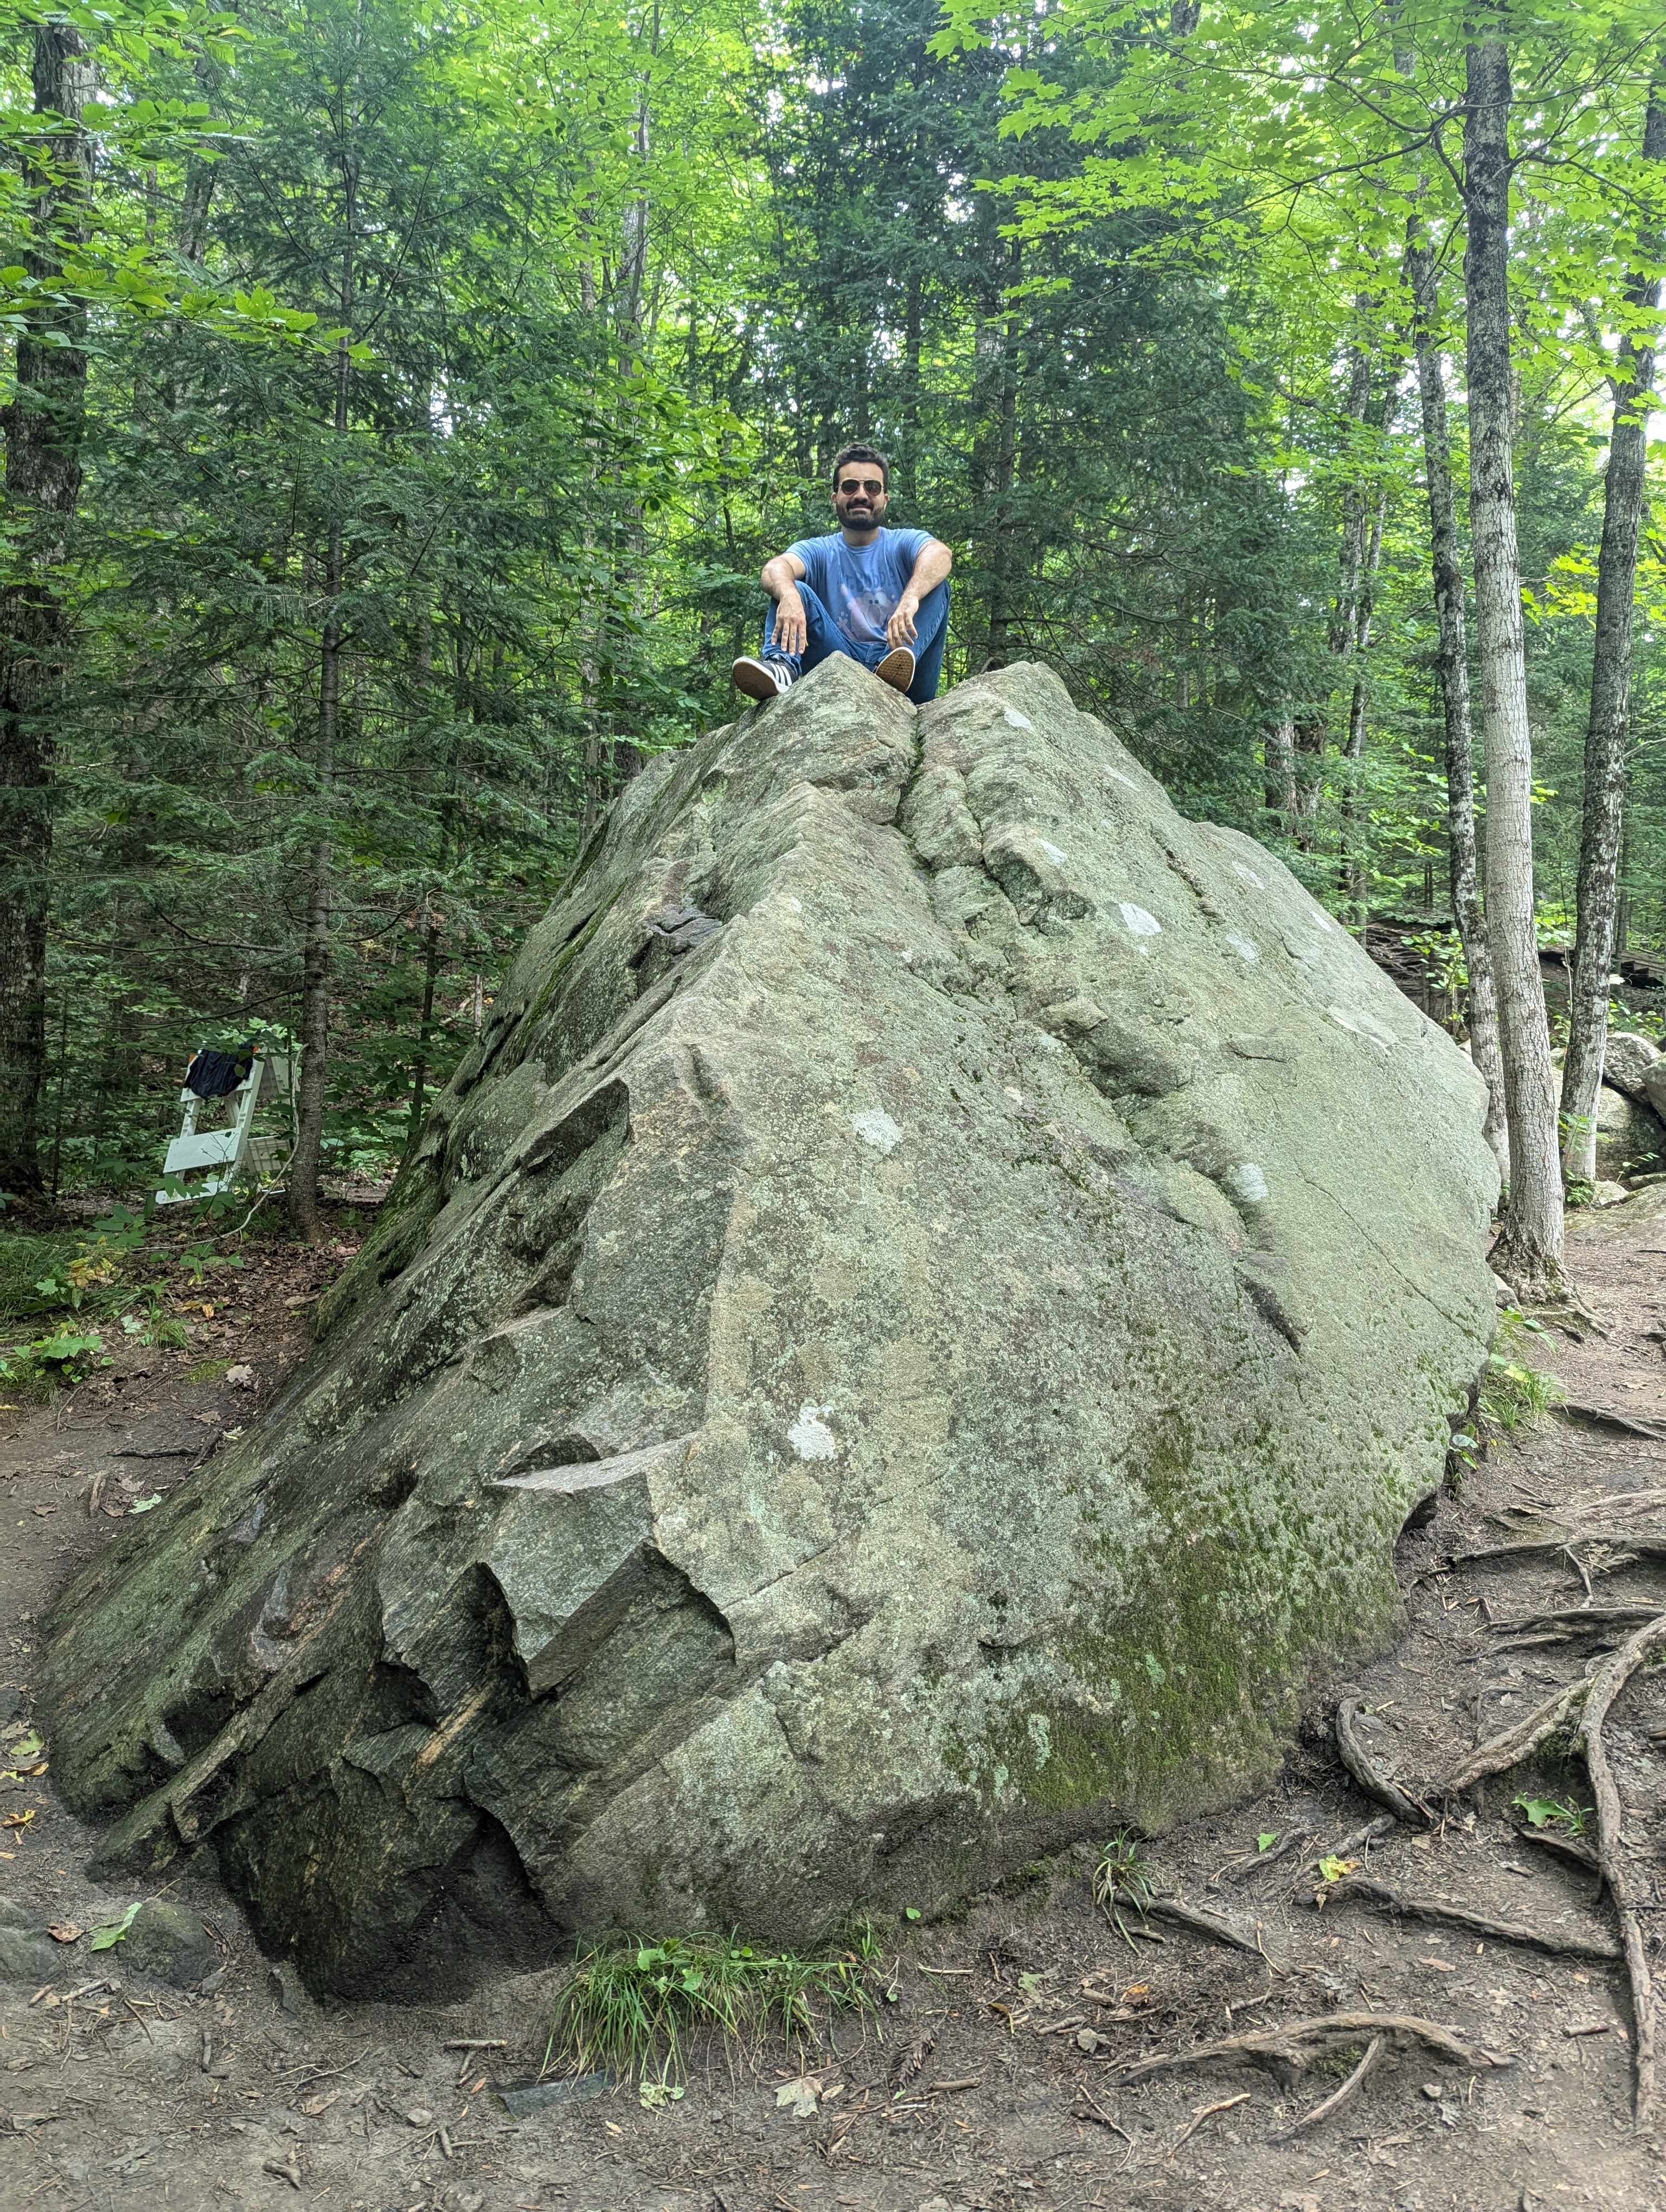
(860,585)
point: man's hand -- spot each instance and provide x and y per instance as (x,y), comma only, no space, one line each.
(900,629)
(790,634)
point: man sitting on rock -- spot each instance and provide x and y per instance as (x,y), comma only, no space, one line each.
(878,596)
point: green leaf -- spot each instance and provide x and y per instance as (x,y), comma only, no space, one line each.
(910,1912)
(114,1931)
(1265,1843)
(144,1504)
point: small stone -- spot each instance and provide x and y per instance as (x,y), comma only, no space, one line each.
(1431,2091)
(1086,2040)
(168,1944)
(420,2116)
(26,1952)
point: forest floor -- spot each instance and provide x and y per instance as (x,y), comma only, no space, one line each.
(117,2092)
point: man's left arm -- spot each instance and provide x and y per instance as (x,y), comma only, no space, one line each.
(932,564)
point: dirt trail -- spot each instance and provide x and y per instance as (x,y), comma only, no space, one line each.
(242,2093)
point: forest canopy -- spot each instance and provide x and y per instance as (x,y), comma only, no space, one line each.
(402,401)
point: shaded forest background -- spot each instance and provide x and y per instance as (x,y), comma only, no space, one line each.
(450,371)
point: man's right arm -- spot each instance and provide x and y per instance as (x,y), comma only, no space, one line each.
(780,580)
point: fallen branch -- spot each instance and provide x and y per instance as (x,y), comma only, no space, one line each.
(1338,2098)
(1617,1870)
(1500,1753)
(1357,1759)
(1477,1923)
(1293,2047)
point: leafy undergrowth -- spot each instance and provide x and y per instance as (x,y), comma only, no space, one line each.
(631,2009)
(1515,1394)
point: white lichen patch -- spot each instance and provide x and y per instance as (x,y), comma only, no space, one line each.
(810,1436)
(1248,1181)
(1053,852)
(1120,778)
(1040,1739)
(1249,875)
(1322,920)
(1016,721)
(1136,919)
(1242,946)
(875,1127)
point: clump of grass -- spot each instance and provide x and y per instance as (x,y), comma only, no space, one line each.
(26,1262)
(1514,1393)
(630,2008)
(1123,1877)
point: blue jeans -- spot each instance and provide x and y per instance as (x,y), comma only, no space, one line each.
(823,638)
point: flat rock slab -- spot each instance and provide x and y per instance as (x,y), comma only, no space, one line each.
(908,1341)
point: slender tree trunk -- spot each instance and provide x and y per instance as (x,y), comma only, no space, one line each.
(1452,673)
(1529,1253)
(1352,884)
(44,425)
(304,1165)
(1279,771)
(1610,688)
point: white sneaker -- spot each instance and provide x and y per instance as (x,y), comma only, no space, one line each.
(897,668)
(761,679)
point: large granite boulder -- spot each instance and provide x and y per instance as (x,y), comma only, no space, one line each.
(1628,1057)
(1630,1139)
(909,1342)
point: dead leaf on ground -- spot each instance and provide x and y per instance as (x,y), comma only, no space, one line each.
(64,1932)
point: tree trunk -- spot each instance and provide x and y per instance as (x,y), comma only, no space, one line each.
(1529,1253)
(1452,673)
(305,1162)
(1279,771)
(1610,687)
(44,425)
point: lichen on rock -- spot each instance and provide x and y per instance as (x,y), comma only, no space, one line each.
(909,1340)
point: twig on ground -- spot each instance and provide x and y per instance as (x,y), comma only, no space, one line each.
(1338,2098)
(1500,1753)
(1357,1759)
(1208,2112)
(1097,2111)
(1293,2047)
(1478,1923)
(1617,1868)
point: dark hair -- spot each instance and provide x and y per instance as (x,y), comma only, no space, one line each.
(861,454)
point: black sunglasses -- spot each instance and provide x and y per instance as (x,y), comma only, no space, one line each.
(869,484)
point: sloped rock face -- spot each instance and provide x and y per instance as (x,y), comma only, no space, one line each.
(909,1341)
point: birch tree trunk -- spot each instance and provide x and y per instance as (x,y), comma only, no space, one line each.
(1529,1253)
(44,425)
(1610,687)
(1452,672)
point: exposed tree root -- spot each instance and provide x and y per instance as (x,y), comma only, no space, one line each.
(1566,1847)
(1357,1759)
(1356,1839)
(1576,1619)
(1240,1870)
(1292,2049)
(1219,1927)
(1618,1868)
(1338,2098)
(1477,1923)
(1649,1544)
(1500,1753)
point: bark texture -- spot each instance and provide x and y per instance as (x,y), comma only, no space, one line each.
(42,428)
(1530,1250)
(1610,688)
(1452,672)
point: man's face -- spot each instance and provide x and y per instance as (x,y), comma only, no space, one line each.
(860,497)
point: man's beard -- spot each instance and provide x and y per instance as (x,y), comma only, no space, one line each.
(859,515)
